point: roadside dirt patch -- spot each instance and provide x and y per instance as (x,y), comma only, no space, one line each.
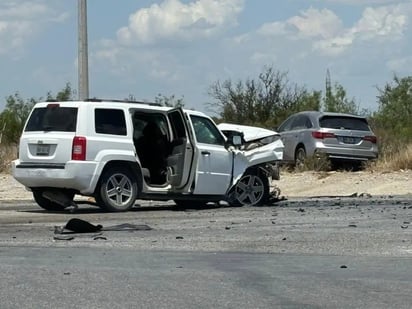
(305,184)
(308,184)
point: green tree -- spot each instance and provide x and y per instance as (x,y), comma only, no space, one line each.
(13,117)
(17,109)
(336,100)
(170,101)
(265,101)
(66,94)
(393,118)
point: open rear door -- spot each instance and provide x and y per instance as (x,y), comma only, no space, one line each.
(180,161)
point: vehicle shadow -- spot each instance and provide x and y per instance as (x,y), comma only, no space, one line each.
(86,207)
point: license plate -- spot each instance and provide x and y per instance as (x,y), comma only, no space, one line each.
(349,140)
(43,150)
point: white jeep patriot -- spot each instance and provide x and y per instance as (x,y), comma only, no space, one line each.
(118,151)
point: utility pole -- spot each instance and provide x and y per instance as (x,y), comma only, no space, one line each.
(83,66)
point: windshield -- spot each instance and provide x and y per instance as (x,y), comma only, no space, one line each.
(54,118)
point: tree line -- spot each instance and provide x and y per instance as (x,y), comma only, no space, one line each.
(265,100)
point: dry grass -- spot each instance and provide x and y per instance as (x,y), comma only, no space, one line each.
(394,158)
(318,162)
(7,154)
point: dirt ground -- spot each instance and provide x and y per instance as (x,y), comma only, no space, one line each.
(305,184)
(309,184)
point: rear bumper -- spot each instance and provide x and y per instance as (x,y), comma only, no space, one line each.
(79,175)
(342,153)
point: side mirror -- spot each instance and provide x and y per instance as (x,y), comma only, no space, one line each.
(237,140)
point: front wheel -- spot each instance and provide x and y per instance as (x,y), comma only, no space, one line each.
(251,189)
(117,190)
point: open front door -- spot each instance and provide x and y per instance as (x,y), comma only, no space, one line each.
(180,161)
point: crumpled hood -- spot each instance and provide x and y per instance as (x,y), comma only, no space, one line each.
(249,133)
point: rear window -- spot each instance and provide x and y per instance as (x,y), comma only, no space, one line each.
(344,123)
(53,118)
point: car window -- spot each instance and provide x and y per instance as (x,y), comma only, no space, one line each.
(110,121)
(286,126)
(178,126)
(53,118)
(141,120)
(342,122)
(206,132)
(301,122)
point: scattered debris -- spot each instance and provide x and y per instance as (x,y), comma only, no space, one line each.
(76,225)
(365,195)
(99,238)
(61,237)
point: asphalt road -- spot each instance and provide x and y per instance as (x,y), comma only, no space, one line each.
(303,253)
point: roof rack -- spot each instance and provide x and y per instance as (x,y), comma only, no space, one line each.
(122,101)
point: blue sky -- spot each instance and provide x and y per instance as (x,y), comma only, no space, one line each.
(181,47)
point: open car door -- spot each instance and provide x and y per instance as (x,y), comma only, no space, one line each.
(180,161)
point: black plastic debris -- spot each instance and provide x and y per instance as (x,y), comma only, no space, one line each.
(63,237)
(76,225)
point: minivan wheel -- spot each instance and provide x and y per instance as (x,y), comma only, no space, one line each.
(117,190)
(47,204)
(300,157)
(251,189)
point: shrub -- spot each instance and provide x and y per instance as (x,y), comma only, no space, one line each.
(7,154)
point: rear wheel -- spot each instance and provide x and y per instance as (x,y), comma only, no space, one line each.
(117,190)
(251,189)
(47,204)
(300,157)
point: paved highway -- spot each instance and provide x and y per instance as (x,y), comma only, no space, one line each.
(303,253)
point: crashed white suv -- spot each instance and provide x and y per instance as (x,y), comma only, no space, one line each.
(117,152)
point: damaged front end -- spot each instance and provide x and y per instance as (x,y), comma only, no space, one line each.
(256,164)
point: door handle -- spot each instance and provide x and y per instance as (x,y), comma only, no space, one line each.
(205,153)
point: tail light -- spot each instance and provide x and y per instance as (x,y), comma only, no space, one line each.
(371,139)
(79,148)
(322,135)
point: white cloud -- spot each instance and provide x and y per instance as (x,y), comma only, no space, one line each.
(324,30)
(19,20)
(383,21)
(317,23)
(364,2)
(174,20)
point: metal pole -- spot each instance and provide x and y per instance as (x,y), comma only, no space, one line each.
(83,69)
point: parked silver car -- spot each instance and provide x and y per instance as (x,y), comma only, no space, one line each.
(342,137)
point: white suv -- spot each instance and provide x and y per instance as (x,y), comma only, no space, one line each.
(118,151)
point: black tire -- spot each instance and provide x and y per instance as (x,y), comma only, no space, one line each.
(117,190)
(46,203)
(251,190)
(300,157)
(190,204)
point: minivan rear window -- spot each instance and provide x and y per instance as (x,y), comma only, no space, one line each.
(55,118)
(344,123)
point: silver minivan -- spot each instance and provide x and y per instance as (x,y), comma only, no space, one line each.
(342,137)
